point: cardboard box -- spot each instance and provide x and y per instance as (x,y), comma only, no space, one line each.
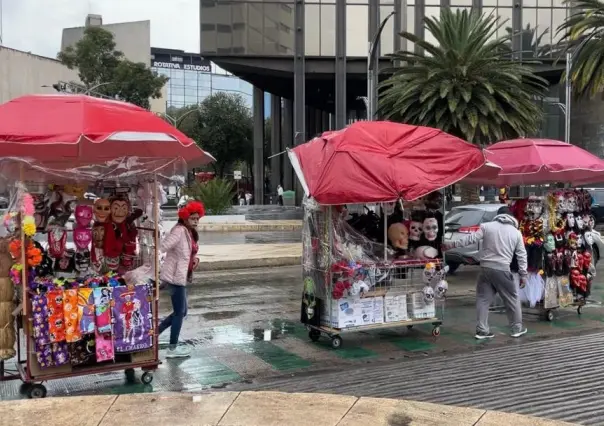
(344,313)
(378,310)
(364,308)
(395,307)
(418,308)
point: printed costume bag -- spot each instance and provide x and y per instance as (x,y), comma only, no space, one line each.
(56,323)
(102,302)
(86,311)
(133,320)
(71,314)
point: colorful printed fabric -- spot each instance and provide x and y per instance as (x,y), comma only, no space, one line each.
(102,301)
(133,321)
(60,353)
(103,343)
(83,352)
(71,315)
(86,310)
(39,305)
(44,355)
(56,323)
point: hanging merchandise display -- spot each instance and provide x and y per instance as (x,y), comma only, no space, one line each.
(557,235)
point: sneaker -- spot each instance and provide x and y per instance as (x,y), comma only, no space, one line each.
(481,335)
(519,333)
(178,352)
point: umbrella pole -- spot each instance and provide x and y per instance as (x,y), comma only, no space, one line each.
(385,233)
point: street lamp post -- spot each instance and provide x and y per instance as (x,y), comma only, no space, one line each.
(372,70)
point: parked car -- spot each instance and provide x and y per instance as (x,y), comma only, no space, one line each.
(3,203)
(464,220)
(597,205)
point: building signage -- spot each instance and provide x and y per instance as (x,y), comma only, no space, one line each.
(180,62)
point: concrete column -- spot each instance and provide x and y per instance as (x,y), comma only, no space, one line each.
(477,5)
(517,30)
(340,118)
(276,175)
(420,13)
(288,142)
(400,17)
(258,116)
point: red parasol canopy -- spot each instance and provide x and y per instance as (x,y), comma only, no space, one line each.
(378,161)
(76,129)
(540,161)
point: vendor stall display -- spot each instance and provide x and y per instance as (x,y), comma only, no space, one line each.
(85,274)
(377,269)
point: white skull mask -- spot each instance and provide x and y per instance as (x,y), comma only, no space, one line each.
(570,220)
(428,294)
(441,288)
(415,230)
(589,239)
(430,228)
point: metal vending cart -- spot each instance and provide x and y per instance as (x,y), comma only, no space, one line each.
(353,281)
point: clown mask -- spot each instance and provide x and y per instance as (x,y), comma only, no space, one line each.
(83,215)
(120,208)
(398,235)
(430,228)
(102,209)
(415,230)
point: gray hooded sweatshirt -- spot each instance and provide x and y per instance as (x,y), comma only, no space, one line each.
(501,239)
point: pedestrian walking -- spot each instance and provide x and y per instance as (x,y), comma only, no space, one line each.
(280,195)
(180,247)
(248,198)
(501,241)
(240,198)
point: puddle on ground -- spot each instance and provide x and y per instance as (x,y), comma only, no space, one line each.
(221,315)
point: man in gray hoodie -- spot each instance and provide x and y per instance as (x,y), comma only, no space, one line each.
(501,240)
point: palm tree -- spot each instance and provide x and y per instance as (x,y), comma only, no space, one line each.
(585,29)
(467,85)
(532,46)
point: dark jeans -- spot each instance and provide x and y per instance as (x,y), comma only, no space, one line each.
(280,200)
(178,294)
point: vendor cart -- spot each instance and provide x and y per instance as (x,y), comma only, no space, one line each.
(354,277)
(86,272)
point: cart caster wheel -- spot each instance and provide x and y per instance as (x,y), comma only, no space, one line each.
(580,310)
(37,391)
(436,331)
(314,335)
(147,378)
(409,327)
(336,342)
(549,315)
(24,388)
(130,375)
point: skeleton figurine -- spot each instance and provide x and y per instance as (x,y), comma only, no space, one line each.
(428,295)
(441,289)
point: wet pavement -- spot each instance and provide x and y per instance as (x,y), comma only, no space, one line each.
(230,238)
(229,312)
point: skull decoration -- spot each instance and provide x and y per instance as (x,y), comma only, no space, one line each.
(398,235)
(98,235)
(66,262)
(428,294)
(120,208)
(102,209)
(570,220)
(415,230)
(430,227)
(441,289)
(429,272)
(82,261)
(83,215)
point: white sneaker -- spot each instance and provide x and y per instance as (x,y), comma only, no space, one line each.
(179,352)
(519,333)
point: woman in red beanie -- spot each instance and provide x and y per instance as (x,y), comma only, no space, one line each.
(181,259)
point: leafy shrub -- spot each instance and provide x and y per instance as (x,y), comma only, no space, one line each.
(216,195)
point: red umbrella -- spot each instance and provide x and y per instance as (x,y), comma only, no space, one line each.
(540,161)
(75,129)
(378,161)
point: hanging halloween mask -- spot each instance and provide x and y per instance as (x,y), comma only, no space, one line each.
(120,208)
(398,235)
(83,215)
(98,235)
(430,228)
(589,239)
(550,243)
(102,209)
(82,261)
(415,230)
(570,220)
(82,238)
(580,223)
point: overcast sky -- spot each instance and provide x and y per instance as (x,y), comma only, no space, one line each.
(35,25)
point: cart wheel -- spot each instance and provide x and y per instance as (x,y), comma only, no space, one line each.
(24,388)
(580,310)
(549,315)
(37,391)
(147,378)
(436,331)
(314,335)
(336,342)
(409,327)
(130,375)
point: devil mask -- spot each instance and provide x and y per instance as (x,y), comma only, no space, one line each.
(83,215)
(82,238)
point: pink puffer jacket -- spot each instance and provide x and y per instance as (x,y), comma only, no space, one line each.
(177,246)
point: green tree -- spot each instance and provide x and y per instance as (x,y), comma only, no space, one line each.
(104,70)
(222,125)
(466,84)
(585,29)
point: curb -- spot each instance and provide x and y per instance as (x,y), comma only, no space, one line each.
(251,227)
(250,263)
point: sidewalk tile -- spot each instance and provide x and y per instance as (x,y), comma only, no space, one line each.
(280,409)
(275,356)
(493,418)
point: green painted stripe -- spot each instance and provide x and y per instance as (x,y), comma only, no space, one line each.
(277,357)
(205,370)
